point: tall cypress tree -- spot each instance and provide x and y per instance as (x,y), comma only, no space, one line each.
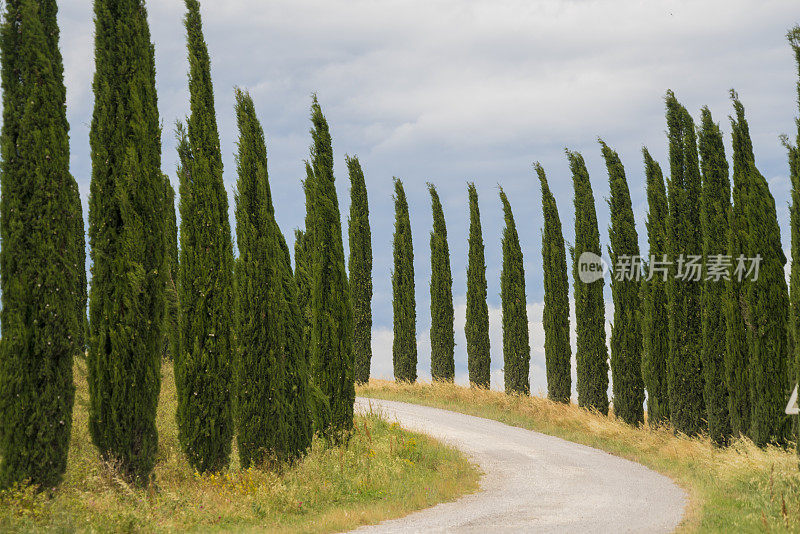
(684,243)
(172,331)
(476,327)
(331,339)
(737,356)
(360,267)
(260,365)
(205,417)
(555,318)
(626,331)
(516,343)
(766,308)
(272,412)
(794,283)
(655,318)
(715,203)
(591,352)
(442,315)
(404,346)
(42,264)
(126,234)
(300,394)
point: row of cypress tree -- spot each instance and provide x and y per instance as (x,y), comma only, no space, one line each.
(516,343)
(260,352)
(692,343)
(713,352)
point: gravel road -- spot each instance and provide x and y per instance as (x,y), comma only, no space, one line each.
(533,482)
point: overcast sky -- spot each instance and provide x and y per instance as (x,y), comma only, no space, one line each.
(457,91)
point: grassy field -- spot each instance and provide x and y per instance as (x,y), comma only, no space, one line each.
(738,489)
(384,472)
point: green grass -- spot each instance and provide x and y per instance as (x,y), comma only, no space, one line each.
(737,489)
(383,472)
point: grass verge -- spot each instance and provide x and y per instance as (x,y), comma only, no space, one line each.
(383,472)
(737,489)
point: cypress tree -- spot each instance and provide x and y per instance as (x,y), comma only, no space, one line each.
(516,343)
(476,327)
(331,339)
(126,234)
(205,418)
(404,346)
(715,203)
(626,332)
(766,307)
(272,414)
(42,264)
(442,314)
(360,267)
(555,318)
(172,332)
(261,412)
(591,351)
(794,282)
(655,318)
(737,357)
(684,243)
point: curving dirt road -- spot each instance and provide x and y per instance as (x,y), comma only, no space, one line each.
(534,482)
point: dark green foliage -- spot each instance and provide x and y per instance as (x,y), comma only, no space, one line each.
(737,356)
(684,371)
(626,331)
(360,268)
(127,236)
(516,343)
(42,263)
(260,372)
(794,281)
(404,346)
(476,327)
(442,315)
(591,353)
(302,278)
(272,411)
(555,318)
(766,307)
(318,402)
(172,331)
(203,369)
(331,333)
(715,205)
(655,319)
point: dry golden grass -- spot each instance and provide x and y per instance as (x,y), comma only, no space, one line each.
(383,472)
(737,489)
